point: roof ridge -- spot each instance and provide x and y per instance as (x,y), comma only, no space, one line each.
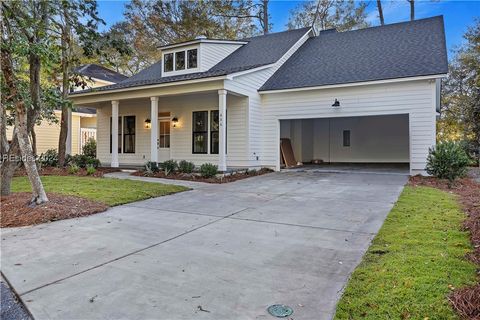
(274,33)
(389,25)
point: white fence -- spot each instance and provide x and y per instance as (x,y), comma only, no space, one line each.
(85,135)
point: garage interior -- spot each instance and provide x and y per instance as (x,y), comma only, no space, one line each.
(382,140)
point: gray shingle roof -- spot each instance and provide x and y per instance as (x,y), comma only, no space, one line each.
(398,50)
(100,72)
(259,51)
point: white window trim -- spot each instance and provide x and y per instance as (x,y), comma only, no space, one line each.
(186,69)
(120,141)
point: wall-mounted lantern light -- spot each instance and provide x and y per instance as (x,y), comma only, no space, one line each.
(174,121)
(148,123)
(336,104)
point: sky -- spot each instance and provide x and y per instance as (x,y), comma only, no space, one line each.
(458,14)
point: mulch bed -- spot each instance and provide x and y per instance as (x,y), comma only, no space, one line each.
(55,171)
(466,301)
(198,178)
(16,212)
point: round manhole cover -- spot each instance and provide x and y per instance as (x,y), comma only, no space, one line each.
(280,310)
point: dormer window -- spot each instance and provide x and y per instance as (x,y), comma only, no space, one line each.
(192,57)
(168,62)
(180,60)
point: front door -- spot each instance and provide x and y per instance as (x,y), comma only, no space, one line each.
(163,140)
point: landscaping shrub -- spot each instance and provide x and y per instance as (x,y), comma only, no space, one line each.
(208,170)
(169,166)
(73,169)
(151,167)
(90,148)
(83,161)
(186,166)
(91,169)
(49,158)
(93,162)
(448,160)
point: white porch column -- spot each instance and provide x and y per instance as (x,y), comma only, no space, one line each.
(114,162)
(68,144)
(222,130)
(154,129)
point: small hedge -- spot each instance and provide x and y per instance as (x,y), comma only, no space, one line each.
(448,160)
(186,166)
(208,170)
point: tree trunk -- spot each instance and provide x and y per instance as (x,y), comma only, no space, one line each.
(412,9)
(265,16)
(380,12)
(22,123)
(62,140)
(3,131)
(33,135)
(38,192)
(9,165)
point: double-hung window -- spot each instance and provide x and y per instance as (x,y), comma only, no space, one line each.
(126,134)
(200,132)
(168,62)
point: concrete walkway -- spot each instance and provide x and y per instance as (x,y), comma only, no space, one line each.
(230,250)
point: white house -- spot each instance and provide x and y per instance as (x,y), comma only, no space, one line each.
(367,95)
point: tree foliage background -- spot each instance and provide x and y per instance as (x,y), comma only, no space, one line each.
(460,105)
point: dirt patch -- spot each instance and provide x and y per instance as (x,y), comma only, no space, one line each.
(55,171)
(466,301)
(16,212)
(198,178)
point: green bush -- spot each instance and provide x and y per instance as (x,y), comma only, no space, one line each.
(448,160)
(186,166)
(208,170)
(83,161)
(49,158)
(169,166)
(90,148)
(91,169)
(73,169)
(151,167)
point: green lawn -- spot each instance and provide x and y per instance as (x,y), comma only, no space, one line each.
(109,191)
(413,263)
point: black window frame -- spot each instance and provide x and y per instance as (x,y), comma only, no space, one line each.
(188,58)
(120,142)
(165,62)
(212,132)
(183,53)
(200,132)
(126,134)
(346,138)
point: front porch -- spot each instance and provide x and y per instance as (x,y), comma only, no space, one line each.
(201,127)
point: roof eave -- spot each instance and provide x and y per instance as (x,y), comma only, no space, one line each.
(353,84)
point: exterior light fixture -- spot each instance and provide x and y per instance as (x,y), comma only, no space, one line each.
(148,123)
(174,121)
(336,103)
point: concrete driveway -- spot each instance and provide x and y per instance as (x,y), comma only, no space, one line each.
(216,252)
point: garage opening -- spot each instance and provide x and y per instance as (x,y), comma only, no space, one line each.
(382,140)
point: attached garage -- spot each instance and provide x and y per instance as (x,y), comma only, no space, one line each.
(361,139)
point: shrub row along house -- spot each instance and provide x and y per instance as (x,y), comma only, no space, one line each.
(82,121)
(369,95)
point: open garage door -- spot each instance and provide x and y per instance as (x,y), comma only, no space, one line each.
(364,139)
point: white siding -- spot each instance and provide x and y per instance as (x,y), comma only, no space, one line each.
(248,85)
(213,53)
(181,107)
(416,98)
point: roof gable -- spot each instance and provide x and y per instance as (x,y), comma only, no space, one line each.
(400,50)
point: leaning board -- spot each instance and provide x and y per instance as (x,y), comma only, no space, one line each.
(287,152)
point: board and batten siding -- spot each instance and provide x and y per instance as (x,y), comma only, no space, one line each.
(181,107)
(415,98)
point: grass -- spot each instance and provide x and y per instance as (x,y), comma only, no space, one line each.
(109,191)
(414,262)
